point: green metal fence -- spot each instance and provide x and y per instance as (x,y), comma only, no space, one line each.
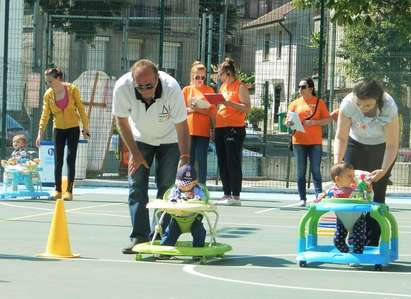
(274,43)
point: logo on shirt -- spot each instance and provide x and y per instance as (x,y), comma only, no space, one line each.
(164,114)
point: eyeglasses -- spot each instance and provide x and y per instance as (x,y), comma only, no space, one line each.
(145,86)
(199,77)
(302,87)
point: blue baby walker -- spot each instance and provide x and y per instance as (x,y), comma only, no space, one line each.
(348,210)
(22,180)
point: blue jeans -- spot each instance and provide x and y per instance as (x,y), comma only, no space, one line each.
(198,156)
(167,157)
(301,153)
(173,231)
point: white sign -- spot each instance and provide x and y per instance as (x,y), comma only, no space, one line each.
(46,156)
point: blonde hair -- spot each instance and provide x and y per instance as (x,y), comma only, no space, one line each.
(197,66)
(21,137)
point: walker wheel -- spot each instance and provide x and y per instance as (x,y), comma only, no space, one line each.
(139,257)
(302,264)
(203,260)
(220,255)
(378,267)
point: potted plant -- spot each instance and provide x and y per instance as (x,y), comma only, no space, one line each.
(255,116)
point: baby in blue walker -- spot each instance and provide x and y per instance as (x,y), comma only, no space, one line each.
(186,188)
(18,168)
(345,186)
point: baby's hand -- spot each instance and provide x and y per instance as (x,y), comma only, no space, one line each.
(320,197)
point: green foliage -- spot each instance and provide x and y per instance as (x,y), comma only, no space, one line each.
(84,29)
(246,78)
(255,115)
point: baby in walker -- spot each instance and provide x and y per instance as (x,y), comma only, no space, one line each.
(18,167)
(186,189)
(345,186)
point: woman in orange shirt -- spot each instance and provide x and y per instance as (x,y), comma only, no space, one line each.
(200,116)
(313,114)
(230,132)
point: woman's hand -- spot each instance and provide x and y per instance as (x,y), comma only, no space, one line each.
(308,122)
(39,138)
(86,133)
(288,123)
(376,175)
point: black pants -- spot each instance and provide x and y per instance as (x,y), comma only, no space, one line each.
(61,138)
(369,158)
(229,146)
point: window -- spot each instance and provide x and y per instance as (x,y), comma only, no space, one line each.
(266,53)
(280,44)
(170,57)
(133,51)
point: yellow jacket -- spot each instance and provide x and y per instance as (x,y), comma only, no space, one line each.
(67,118)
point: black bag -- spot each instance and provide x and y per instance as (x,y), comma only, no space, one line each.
(290,145)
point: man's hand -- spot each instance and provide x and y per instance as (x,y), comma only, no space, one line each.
(135,162)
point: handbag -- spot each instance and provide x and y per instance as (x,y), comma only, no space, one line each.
(290,144)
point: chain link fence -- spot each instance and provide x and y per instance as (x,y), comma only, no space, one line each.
(273,43)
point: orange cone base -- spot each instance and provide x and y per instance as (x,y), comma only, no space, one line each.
(55,256)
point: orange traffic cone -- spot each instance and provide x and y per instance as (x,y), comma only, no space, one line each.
(58,244)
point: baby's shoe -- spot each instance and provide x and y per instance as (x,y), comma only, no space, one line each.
(56,195)
(68,196)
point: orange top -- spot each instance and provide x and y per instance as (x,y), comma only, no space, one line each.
(312,134)
(228,116)
(198,124)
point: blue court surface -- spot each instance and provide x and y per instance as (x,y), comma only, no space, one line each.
(263,233)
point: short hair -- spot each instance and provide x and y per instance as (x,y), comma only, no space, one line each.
(21,137)
(143,63)
(54,72)
(369,88)
(339,168)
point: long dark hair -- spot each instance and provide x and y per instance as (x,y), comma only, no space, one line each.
(228,67)
(310,83)
(370,88)
(54,72)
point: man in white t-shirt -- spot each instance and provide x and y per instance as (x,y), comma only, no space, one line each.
(150,113)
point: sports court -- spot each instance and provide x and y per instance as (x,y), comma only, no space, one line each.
(262,232)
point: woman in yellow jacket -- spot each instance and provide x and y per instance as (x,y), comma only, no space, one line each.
(63,100)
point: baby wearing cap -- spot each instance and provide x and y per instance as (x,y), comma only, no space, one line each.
(186,189)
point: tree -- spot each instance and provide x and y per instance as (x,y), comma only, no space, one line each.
(376,44)
(84,29)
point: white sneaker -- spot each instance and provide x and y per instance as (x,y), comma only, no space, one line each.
(228,202)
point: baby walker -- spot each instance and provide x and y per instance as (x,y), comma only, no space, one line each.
(348,210)
(183,248)
(23,173)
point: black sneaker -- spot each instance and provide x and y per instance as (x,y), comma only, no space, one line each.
(134,242)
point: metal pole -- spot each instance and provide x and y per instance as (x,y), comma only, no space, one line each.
(161,41)
(266,91)
(124,52)
(331,74)
(199,39)
(34,24)
(321,52)
(209,47)
(5,70)
(203,37)
(221,43)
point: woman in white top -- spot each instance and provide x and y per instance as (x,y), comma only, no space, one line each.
(367,137)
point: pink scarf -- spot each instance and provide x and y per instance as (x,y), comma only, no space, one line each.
(62,104)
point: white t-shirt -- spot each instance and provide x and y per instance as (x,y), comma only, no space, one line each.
(368,130)
(156,125)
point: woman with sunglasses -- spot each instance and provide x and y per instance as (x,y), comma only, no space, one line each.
(313,114)
(230,132)
(63,101)
(367,137)
(200,116)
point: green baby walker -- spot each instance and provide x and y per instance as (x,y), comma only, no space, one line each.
(179,212)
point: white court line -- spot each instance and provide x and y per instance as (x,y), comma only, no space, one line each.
(190,269)
(276,208)
(52,212)
(23,207)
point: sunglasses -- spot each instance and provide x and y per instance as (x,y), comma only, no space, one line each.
(199,77)
(145,86)
(302,87)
